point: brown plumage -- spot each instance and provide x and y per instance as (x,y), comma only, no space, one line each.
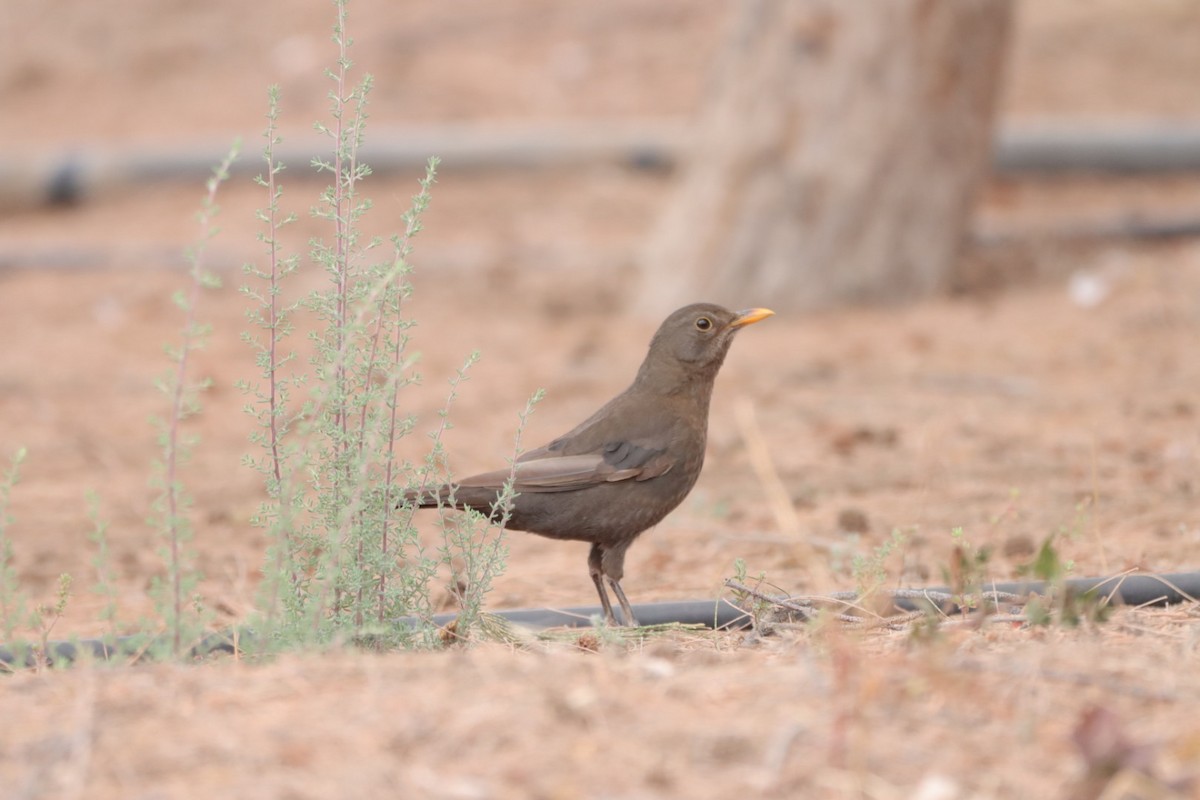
(628,465)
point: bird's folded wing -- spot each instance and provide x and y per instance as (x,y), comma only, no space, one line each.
(555,473)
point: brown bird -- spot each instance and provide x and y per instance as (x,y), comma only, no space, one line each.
(625,467)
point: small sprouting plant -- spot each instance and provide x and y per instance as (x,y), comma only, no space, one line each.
(870,572)
(105,586)
(45,617)
(1060,603)
(759,609)
(966,573)
(15,611)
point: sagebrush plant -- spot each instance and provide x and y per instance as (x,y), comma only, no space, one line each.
(175,599)
(345,561)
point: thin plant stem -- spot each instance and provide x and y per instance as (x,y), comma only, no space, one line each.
(190,336)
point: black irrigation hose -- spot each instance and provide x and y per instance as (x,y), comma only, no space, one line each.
(1130,590)
(715,614)
(27,181)
(1104,147)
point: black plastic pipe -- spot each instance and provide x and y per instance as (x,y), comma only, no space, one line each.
(1130,590)
(27,181)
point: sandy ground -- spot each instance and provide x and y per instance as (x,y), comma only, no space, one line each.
(1012,414)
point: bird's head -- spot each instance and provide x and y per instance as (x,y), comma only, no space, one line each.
(693,341)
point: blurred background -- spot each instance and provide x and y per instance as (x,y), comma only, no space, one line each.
(979,220)
(115,110)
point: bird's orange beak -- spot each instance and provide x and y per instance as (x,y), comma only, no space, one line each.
(750,316)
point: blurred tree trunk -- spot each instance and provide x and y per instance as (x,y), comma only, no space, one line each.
(838,157)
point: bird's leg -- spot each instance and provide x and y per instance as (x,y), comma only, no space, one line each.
(609,617)
(626,609)
(595,558)
(612,565)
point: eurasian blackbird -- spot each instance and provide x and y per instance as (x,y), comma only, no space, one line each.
(625,467)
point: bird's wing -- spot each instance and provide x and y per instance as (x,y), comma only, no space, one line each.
(545,471)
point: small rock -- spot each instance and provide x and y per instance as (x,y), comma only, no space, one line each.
(853,520)
(1019,546)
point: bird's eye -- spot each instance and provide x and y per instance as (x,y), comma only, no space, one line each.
(703,324)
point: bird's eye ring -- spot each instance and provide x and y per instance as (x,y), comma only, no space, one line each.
(703,323)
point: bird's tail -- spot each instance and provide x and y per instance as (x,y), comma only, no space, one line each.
(424,498)
(451,496)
